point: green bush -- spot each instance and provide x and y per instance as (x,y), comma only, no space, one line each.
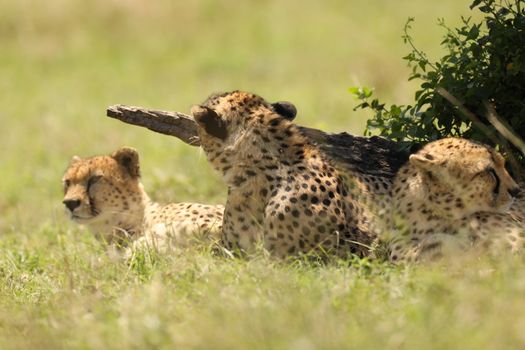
(484,62)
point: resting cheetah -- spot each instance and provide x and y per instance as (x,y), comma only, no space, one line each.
(451,195)
(282,190)
(105,193)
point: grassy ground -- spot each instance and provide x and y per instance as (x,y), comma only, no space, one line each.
(62,62)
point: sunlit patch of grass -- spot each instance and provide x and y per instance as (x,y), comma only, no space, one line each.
(190,298)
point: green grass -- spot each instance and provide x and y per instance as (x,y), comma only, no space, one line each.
(61,290)
(62,62)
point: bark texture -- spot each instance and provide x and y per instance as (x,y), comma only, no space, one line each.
(368,155)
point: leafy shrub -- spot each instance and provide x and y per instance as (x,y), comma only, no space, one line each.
(484,62)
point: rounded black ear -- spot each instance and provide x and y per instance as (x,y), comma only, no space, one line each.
(285,109)
(128,158)
(212,123)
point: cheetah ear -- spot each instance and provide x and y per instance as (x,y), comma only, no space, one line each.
(74,159)
(425,161)
(210,121)
(286,109)
(128,158)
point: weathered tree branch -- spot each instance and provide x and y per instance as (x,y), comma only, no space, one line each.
(175,124)
(368,155)
(504,133)
(502,128)
(374,155)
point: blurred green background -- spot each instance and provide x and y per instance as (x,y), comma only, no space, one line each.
(62,62)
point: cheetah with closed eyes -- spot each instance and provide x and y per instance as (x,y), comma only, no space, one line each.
(105,194)
(454,195)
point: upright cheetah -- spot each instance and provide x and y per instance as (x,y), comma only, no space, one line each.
(282,190)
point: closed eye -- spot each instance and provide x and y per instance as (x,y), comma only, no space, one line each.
(493,173)
(93,180)
(66,184)
(488,171)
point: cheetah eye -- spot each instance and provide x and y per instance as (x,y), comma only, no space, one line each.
(492,172)
(93,180)
(66,184)
(495,177)
(487,171)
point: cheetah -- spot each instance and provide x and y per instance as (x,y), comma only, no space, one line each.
(452,195)
(283,192)
(105,194)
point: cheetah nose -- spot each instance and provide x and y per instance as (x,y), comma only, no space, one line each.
(71,204)
(514,191)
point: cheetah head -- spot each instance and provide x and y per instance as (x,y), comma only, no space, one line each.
(238,130)
(102,188)
(463,177)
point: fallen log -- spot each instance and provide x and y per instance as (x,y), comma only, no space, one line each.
(368,155)
(175,124)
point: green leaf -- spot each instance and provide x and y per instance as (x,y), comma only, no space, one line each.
(354,90)
(485,9)
(475,3)
(361,93)
(395,110)
(473,33)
